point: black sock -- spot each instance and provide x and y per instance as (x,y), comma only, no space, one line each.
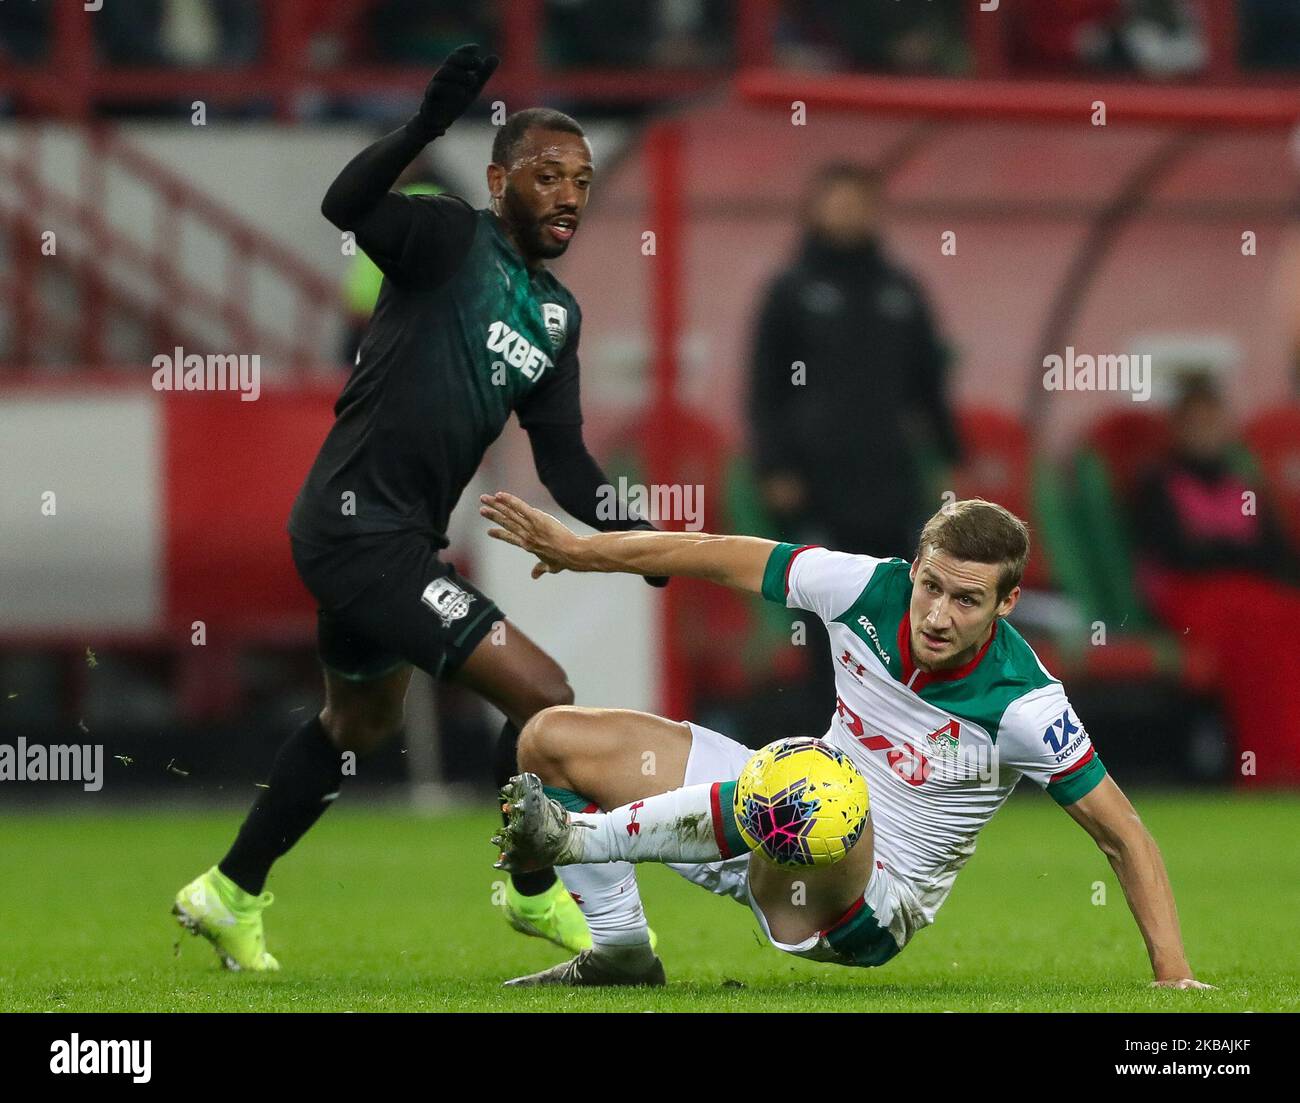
(506,765)
(306,771)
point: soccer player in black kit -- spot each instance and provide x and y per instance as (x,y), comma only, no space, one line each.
(469,326)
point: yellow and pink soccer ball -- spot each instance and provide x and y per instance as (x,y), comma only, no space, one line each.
(801,802)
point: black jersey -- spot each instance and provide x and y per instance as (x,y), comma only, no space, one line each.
(462,334)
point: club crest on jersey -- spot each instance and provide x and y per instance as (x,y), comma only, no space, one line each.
(556,319)
(945,740)
(447,599)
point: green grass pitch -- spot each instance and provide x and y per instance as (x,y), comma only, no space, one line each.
(386,911)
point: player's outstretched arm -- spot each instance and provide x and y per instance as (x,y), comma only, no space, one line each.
(359,190)
(1106,814)
(737,561)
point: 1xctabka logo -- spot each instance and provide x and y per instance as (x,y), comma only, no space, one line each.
(1060,732)
(875,637)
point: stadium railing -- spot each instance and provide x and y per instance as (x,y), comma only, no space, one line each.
(137,278)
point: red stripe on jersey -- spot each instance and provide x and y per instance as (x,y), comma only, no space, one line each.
(592,808)
(856,907)
(790,563)
(875,742)
(715,809)
(1078,765)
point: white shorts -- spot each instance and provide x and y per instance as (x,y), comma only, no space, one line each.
(869,934)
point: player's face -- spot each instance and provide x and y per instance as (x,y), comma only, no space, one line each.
(954,605)
(546,190)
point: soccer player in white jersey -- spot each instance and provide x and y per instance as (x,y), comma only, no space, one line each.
(941,705)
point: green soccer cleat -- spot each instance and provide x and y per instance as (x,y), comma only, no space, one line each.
(552,915)
(230,918)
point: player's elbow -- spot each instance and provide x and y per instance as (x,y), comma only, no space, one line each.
(332,211)
(1124,837)
(336,210)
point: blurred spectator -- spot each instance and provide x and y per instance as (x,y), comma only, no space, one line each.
(871,393)
(1270,34)
(416,32)
(847,388)
(130,34)
(211,32)
(881,36)
(1160,38)
(637,33)
(24,33)
(1218,572)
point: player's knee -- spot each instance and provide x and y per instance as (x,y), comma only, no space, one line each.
(363,732)
(546,741)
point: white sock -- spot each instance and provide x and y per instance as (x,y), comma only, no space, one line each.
(682,825)
(608,897)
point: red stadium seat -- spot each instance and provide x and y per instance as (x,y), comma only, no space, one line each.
(1129,442)
(711,623)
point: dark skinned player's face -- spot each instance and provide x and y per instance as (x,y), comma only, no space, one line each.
(542,195)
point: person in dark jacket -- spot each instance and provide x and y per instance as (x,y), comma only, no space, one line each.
(848,381)
(847,389)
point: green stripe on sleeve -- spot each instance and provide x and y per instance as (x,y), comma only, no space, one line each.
(727,812)
(1079,784)
(774,574)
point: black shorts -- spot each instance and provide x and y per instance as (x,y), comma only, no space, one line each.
(387,601)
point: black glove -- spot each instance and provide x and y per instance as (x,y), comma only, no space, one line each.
(453,88)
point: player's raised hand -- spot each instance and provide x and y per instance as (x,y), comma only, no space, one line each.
(1182,982)
(526,527)
(453,88)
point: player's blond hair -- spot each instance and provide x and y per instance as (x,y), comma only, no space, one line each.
(980,532)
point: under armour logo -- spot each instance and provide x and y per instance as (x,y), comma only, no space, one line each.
(853,665)
(634,828)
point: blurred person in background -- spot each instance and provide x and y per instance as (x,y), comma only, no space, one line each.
(1270,34)
(211,32)
(636,33)
(24,33)
(1159,38)
(417,32)
(131,34)
(1217,570)
(837,442)
(885,37)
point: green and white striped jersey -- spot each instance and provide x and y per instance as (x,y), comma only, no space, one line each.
(941,751)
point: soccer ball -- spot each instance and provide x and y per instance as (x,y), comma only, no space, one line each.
(801,802)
